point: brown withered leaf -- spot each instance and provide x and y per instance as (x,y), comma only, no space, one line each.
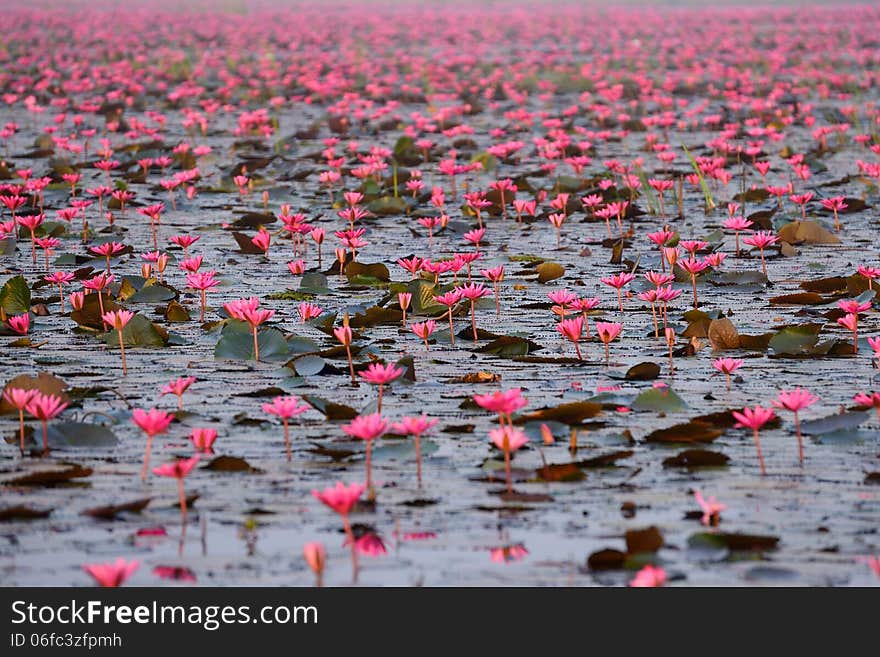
(696,458)
(798,299)
(46,383)
(688,432)
(606,559)
(109,512)
(569,413)
(21,512)
(51,477)
(560,472)
(810,232)
(231,464)
(648,539)
(477,377)
(605,460)
(723,335)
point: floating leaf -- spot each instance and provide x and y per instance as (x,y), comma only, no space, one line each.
(549,271)
(15,296)
(570,413)
(799,299)
(309,365)
(155,293)
(374,316)
(237,343)
(560,472)
(477,377)
(606,559)
(111,511)
(313,283)
(139,332)
(826,285)
(47,384)
(89,316)
(794,340)
(175,313)
(648,539)
(50,477)
(723,335)
(643,372)
(735,542)
(80,434)
(246,244)
(330,409)
(387,205)
(689,432)
(403,450)
(508,346)
(808,232)
(696,458)
(231,464)
(658,399)
(376,270)
(22,512)
(605,460)
(841,422)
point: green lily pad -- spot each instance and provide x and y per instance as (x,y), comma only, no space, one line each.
(313,283)
(15,296)
(237,343)
(139,332)
(659,399)
(80,434)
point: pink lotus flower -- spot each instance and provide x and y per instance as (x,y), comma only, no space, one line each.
(450,299)
(607,332)
(508,439)
(367,428)
(118,320)
(20,324)
(711,509)
(727,366)
(178,469)
(285,408)
(403,300)
(19,398)
(619,281)
(415,427)
(111,575)
(795,401)
(423,330)
(503,402)
(761,240)
(203,439)
(649,577)
(694,267)
(45,407)
(867,400)
(738,224)
(380,375)
(152,423)
(177,388)
(572,330)
(508,553)
(344,335)
(107,250)
(316,558)
(754,419)
(472,292)
(308,311)
(342,498)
